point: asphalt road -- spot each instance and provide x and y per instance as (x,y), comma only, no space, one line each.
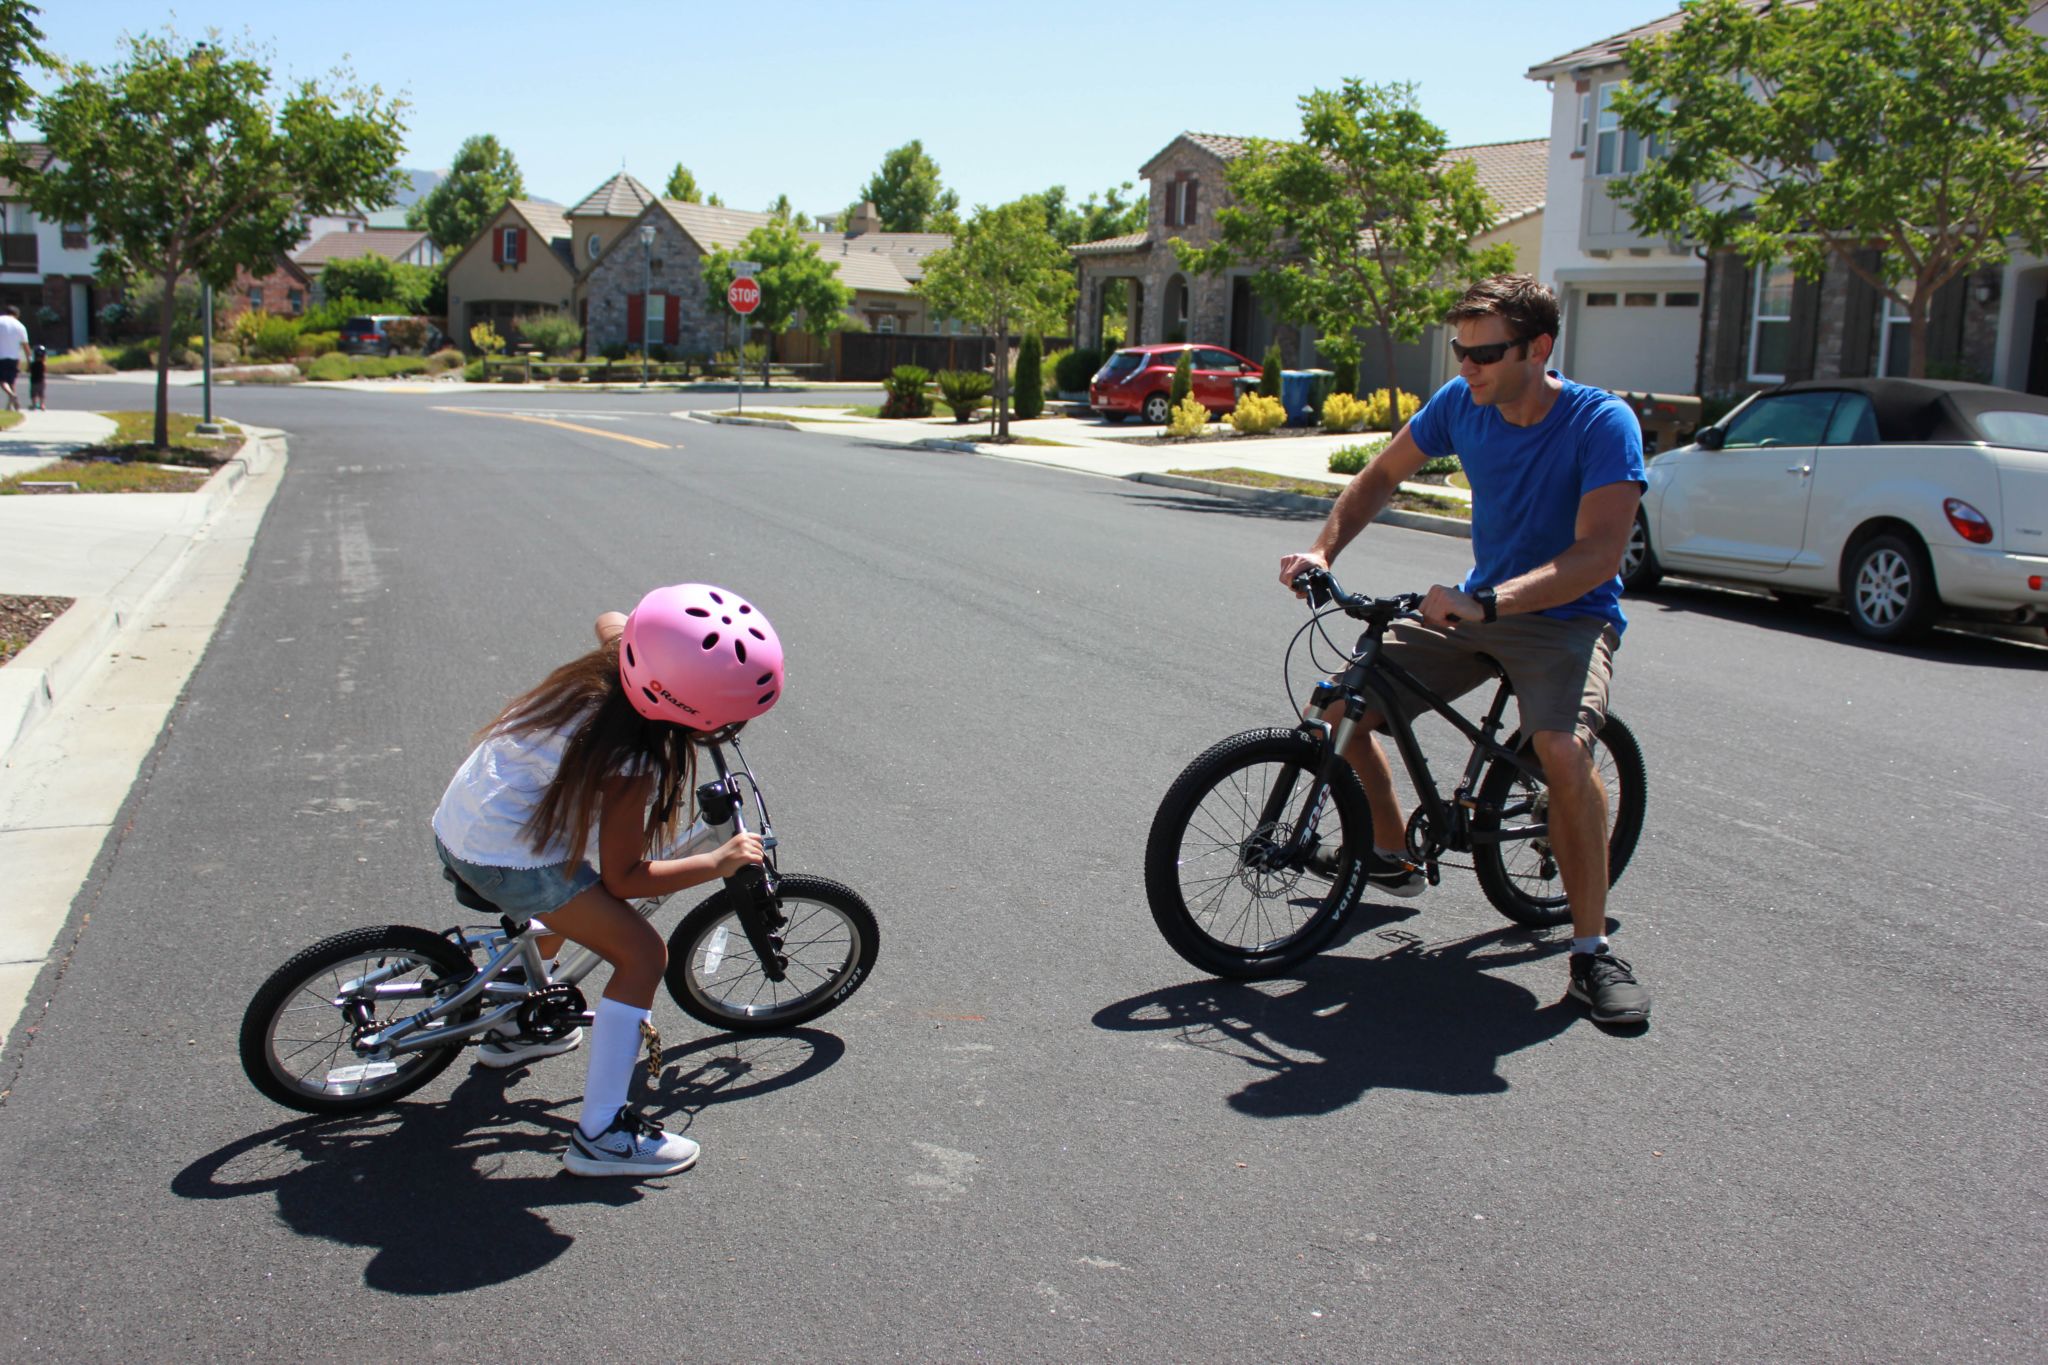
(1036,1134)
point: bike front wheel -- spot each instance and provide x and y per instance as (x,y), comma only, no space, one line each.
(828,934)
(1520,876)
(1251,863)
(300,1027)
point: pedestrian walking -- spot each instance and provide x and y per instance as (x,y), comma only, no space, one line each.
(13,350)
(38,370)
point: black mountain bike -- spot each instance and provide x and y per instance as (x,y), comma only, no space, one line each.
(1255,855)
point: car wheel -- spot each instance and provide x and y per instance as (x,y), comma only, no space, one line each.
(1889,588)
(1640,571)
(1158,409)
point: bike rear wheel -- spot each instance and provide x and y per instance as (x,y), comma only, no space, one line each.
(829,936)
(298,1031)
(1521,877)
(1227,889)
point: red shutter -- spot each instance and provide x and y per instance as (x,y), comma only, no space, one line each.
(669,319)
(636,319)
(522,246)
(497,246)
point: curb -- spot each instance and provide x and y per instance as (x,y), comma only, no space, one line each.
(1302,502)
(53,663)
(723,420)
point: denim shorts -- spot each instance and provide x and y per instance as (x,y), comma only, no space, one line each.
(523,892)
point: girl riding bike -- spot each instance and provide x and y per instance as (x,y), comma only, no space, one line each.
(606,746)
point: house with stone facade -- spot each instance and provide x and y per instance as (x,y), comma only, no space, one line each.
(1642,313)
(1163,303)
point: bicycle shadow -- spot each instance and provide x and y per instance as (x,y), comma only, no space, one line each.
(425,1184)
(1416,1018)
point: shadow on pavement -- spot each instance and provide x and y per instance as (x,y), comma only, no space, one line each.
(1321,1038)
(423,1184)
(1229,507)
(1948,646)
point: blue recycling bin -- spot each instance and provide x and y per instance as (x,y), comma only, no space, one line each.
(1297,395)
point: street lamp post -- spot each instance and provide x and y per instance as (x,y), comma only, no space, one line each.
(207,426)
(646,294)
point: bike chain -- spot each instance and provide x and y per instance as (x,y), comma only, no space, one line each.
(551,1012)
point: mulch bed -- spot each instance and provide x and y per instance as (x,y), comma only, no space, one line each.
(24,618)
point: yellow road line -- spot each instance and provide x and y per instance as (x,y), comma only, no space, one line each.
(565,426)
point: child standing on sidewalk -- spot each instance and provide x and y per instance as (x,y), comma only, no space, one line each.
(37,367)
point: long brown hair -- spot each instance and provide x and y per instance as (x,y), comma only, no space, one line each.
(608,739)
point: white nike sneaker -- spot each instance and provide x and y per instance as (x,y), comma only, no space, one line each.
(634,1146)
(504,1051)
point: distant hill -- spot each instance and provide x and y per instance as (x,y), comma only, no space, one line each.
(422,185)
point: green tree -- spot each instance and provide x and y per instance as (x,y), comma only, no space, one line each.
(1183,379)
(378,279)
(1904,138)
(1362,223)
(1108,214)
(682,185)
(798,285)
(906,191)
(1269,371)
(1030,377)
(483,177)
(21,46)
(186,167)
(1004,272)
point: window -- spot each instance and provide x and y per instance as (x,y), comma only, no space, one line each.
(74,236)
(1639,300)
(1895,336)
(1682,299)
(256,297)
(1617,151)
(1600,300)
(885,323)
(1585,122)
(1770,329)
(657,314)
(2026,430)
(1207,359)
(1180,202)
(595,246)
(508,245)
(1854,423)
(295,299)
(1786,419)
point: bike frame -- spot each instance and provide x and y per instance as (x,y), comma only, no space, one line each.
(513,945)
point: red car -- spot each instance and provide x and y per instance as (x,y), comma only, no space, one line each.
(1139,379)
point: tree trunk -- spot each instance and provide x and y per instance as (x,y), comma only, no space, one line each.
(166,315)
(1393,387)
(1916,321)
(1003,379)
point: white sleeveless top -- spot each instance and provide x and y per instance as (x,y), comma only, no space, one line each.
(482,816)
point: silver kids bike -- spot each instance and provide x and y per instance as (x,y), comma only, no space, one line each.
(360,1019)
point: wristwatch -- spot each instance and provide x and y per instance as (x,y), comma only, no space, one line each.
(1484,597)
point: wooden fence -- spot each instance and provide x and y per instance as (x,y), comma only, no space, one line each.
(862,356)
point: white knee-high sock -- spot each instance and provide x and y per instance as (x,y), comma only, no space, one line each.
(614,1047)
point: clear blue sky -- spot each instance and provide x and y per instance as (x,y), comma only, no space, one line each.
(804,98)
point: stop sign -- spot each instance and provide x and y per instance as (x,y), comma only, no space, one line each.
(744,295)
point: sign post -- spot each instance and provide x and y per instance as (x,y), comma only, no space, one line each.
(744,294)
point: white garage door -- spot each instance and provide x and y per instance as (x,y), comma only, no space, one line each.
(1635,340)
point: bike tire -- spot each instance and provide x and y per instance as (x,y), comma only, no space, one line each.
(320,1074)
(830,937)
(1245,920)
(1520,878)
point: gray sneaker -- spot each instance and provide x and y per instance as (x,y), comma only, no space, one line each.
(635,1146)
(1607,986)
(501,1051)
(1395,876)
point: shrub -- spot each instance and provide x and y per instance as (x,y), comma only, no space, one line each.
(331,367)
(447,358)
(1073,369)
(1187,418)
(906,396)
(1258,413)
(1351,459)
(317,343)
(265,337)
(406,334)
(84,360)
(615,351)
(1027,386)
(485,338)
(1269,378)
(1445,465)
(338,309)
(1384,411)
(1342,412)
(1051,387)
(473,372)
(555,333)
(226,353)
(1339,355)
(964,390)
(1183,378)
(338,366)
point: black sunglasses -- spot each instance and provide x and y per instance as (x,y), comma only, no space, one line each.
(1489,354)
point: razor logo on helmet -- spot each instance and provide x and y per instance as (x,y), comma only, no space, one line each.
(657,690)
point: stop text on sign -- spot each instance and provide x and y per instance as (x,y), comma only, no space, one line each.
(744,295)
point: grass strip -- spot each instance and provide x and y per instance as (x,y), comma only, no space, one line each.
(108,476)
(1403,500)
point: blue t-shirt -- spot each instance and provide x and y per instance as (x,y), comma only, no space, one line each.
(1527,481)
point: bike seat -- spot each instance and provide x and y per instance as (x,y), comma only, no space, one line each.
(465,894)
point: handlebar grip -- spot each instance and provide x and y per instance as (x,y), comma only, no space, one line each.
(1315,584)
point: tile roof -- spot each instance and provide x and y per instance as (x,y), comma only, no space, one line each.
(887,262)
(1609,51)
(619,197)
(1130,241)
(905,251)
(714,228)
(347,246)
(1516,174)
(547,219)
(35,152)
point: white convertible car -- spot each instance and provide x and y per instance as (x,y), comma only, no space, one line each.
(1907,499)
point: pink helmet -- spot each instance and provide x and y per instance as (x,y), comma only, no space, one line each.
(699,656)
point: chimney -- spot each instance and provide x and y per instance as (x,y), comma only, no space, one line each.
(863,219)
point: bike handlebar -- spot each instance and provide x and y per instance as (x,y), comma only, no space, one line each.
(1320,586)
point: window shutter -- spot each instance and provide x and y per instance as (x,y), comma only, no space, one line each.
(1732,291)
(522,246)
(1945,323)
(636,318)
(1805,329)
(1859,323)
(1187,211)
(497,246)
(669,320)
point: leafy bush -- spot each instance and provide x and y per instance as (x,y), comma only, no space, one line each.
(84,360)
(473,372)
(226,353)
(1385,412)
(264,336)
(338,309)
(964,390)
(1073,369)
(1269,377)
(338,366)
(1183,378)
(906,392)
(1027,386)
(1187,418)
(1051,387)
(615,351)
(135,355)
(1342,412)
(447,358)
(1339,355)
(485,338)
(406,334)
(555,333)
(1258,413)
(317,343)
(388,286)
(1351,459)
(1445,465)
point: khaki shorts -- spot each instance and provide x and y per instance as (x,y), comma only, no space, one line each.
(1560,666)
